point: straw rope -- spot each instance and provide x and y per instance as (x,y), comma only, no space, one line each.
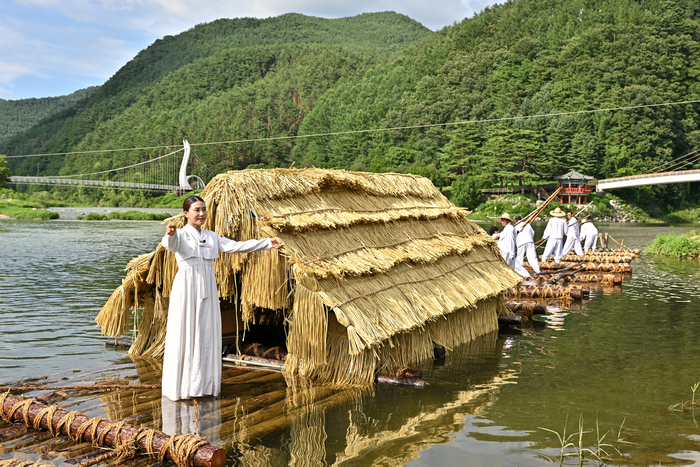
(181,448)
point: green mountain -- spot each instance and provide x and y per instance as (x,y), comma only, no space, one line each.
(295,75)
(214,47)
(524,58)
(19,115)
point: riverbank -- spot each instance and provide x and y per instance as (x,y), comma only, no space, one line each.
(72,213)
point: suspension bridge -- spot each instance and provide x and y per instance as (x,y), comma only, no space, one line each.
(164,173)
(659,178)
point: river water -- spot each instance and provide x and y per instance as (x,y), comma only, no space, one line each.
(617,364)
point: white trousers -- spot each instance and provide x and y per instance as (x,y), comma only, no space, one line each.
(528,250)
(572,243)
(515,264)
(590,244)
(553,248)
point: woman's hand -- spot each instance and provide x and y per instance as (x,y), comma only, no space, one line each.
(277,243)
(171,229)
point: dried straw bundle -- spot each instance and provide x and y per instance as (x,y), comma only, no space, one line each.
(377,267)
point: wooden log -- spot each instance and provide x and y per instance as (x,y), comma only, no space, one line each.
(205,456)
(597,259)
(254,401)
(591,267)
(398,381)
(404,372)
(550,291)
(119,343)
(527,308)
(270,411)
(510,319)
(284,418)
(254,361)
(13,431)
(257,350)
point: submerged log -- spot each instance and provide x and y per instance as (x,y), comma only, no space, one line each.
(204,456)
(12,432)
(527,308)
(510,319)
(120,343)
(405,372)
(397,381)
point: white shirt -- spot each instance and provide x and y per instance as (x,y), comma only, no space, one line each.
(588,230)
(556,228)
(506,241)
(525,234)
(573,227)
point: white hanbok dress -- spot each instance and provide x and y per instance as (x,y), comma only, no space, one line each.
(192,360)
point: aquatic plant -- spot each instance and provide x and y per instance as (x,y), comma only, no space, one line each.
(93,216)
(600,451)
(686,245)
(138,216)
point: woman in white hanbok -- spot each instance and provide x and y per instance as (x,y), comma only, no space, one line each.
(192,360)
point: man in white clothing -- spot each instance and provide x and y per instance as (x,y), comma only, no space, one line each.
(589,235)
(525,242)
(554,232)
(572,236)
(506,243)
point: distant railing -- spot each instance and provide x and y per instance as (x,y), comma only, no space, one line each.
(575,189)
(64,181)
(660,178)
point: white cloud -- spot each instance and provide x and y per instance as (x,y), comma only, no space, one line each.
(92,39)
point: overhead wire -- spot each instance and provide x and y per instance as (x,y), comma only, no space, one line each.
(375,130)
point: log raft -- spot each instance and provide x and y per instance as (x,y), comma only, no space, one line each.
(55,420)
(589,267)
(550,291)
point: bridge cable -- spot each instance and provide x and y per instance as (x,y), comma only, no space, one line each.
(669,164)
(121,168)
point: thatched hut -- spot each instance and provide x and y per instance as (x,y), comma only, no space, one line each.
(377,268)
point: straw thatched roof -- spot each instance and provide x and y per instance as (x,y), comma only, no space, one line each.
(376,268)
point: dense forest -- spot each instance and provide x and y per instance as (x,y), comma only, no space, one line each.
(19,115)
(295,75)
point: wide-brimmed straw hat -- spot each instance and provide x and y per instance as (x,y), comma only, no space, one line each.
(557,213)
(505,215)
(584,220)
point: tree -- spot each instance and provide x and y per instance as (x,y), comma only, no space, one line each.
(4,172)
(511,154)
(460,155)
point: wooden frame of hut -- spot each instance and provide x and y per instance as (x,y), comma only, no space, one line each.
(377,268)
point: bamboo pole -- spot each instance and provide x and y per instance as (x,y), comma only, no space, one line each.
(536,213)
(204,456)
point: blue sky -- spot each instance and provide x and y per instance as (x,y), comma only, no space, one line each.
(55,47)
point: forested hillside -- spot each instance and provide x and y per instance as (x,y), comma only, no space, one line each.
(19,115)
(518,59)
(522,58)
(372,34)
